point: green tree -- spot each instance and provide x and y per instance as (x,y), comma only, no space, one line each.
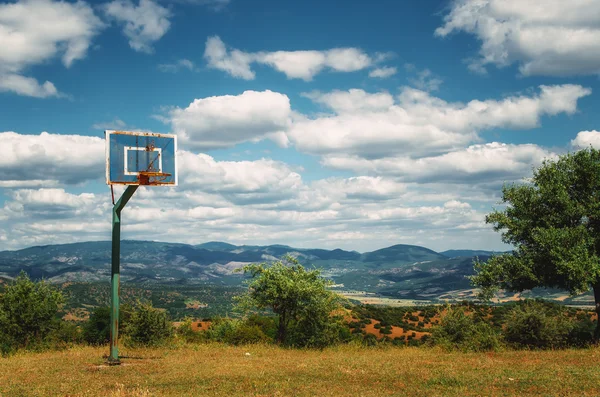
(28,311)
(299,297)
(554,224)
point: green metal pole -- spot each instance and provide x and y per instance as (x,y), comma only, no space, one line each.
(113,358)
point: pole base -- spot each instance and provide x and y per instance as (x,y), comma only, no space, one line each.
(113,361)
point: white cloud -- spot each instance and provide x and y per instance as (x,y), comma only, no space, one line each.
(426,81)
(485,163)
(144,24)
(585,139)
(294,64)
(384,72)
(239,181)
(35,31)
(223,121)
(418,123)
(553,38)
(175,67)
(352,100)
(54,158)
(27,86)
(234,62)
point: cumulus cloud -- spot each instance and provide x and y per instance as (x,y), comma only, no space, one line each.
(352,100)
(418,124)
(27,86)
(552,38)
(143,24)
(294,64)
(484,163)
(383,72)
(585,139)
(52,158)
(223,121)
(35,31)
(239,181)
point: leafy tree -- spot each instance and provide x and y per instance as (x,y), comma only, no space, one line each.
(28,311)
(299,297)
(554,224)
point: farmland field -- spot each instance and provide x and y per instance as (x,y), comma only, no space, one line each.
(219,370)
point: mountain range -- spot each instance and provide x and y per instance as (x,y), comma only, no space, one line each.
(402,271)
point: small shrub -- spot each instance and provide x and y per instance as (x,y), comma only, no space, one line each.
(96,330)
(149,326)
(369,340)
(386,330)
(28,312)
(186,333)
(459,331)
(538,325)
(236,332)
(65,334)
(267,325)
(582,334)
(377,326)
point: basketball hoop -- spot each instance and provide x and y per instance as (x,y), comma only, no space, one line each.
(152,177)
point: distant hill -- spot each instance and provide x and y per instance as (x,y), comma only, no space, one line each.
(400,270)
(470,253)
(400,254)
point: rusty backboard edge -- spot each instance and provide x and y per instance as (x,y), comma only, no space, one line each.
(141,133)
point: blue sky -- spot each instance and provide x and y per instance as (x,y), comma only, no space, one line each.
(304,123)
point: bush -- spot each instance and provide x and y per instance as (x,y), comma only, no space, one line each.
(582,334)
(236,332)
(185,332)
(65,334)
(535,324)
(267,325)
(28,313)
(149,326)
(96,331)
(460,331)
(319,331)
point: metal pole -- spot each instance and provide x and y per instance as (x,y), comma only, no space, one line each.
(113,358)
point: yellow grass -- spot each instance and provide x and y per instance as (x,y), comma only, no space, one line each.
(217,370)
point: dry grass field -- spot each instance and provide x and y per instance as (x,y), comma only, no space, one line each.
(218,370)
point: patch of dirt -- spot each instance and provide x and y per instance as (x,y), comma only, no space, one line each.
(397,332)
